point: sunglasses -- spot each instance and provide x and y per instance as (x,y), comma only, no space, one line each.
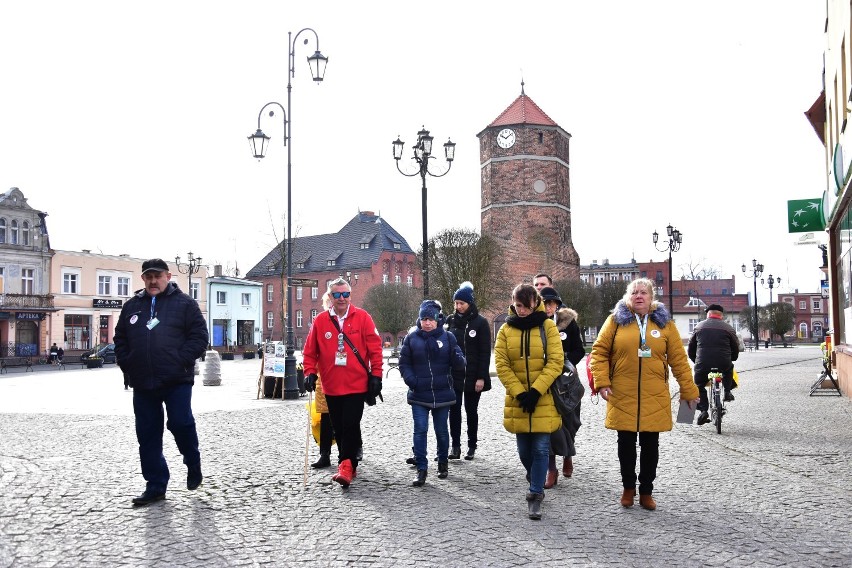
(337,295)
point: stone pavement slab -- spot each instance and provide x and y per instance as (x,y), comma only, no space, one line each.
(772,490)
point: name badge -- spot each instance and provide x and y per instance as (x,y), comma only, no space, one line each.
(644,353)
(152,323)
(340,359)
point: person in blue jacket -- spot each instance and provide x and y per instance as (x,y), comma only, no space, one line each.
(429,355)
(159,335)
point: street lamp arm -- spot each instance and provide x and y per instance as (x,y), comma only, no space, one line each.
(272,113)
(412,174)
(293,48)
(449,167)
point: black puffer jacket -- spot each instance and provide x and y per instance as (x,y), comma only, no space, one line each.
(473,335)
(569,333)
(165,355)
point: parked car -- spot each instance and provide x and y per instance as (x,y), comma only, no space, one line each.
(106,352)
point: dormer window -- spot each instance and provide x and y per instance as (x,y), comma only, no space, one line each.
(364,246)
(300,265)
(397,246)
(331,262)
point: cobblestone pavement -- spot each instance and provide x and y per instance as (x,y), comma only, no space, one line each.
(772,490)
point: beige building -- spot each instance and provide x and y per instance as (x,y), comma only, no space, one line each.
(90,289)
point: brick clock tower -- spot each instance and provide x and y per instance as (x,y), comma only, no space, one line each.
(526,192)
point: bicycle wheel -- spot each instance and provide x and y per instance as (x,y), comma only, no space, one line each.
(718,411)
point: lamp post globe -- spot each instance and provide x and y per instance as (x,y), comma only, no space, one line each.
(672,244)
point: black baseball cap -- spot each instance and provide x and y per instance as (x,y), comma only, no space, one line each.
(154,265)
(714,307)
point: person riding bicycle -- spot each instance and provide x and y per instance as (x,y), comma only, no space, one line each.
(713,345)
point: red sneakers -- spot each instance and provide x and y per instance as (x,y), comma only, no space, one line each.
(345,474)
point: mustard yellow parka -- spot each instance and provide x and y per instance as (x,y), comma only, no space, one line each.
(640,399)
(519,358)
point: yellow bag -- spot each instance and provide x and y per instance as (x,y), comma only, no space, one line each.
(316,419)
(736,378)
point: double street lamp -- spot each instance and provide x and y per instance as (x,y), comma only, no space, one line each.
(756,271)
(771,282)
(192,266)
(673,245)
(422,155)
(259,143)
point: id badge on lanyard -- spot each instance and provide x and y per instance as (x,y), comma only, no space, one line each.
(644,350)
(340,356)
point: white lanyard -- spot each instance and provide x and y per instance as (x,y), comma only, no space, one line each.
(643,325)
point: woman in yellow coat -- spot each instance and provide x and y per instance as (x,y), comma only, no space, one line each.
(630,360)
(529,412)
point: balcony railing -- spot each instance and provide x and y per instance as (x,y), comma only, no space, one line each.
(8,301)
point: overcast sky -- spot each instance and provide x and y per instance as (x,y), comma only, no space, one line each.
(127,122)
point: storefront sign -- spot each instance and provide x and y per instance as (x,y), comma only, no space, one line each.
(29,316)
(99,303)
(5,315)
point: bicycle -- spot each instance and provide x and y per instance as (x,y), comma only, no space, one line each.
(717,398)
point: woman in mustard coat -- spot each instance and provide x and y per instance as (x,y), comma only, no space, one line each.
(529,412)
(630,360)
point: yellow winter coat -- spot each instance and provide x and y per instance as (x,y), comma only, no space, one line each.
(640,399)
(519,357)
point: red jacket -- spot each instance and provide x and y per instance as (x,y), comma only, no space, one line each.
(321,347)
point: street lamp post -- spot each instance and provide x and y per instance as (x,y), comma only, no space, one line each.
(422,155)
(756,271)
(259,142)
(770,283)
(673,245)
(192,266)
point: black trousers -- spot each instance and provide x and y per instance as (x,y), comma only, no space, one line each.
(701,380)
(346,412)
(326,433)
(650,454)
(470,400)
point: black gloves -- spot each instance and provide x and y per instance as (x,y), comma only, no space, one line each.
(374,387)
(311,382)
(528,400)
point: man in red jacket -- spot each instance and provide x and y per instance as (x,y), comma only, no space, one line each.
(345,350)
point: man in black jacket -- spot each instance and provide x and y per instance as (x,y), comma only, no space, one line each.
(714,345)
(159,335)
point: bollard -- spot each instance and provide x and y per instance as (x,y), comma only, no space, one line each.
(212,369)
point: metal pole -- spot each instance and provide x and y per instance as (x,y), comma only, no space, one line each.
(756,328)
(671,305)
(291,387)
(425,237)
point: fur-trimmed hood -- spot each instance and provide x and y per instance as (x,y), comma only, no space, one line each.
(564,317)
(623,315)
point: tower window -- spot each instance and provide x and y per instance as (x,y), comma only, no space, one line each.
(540,137)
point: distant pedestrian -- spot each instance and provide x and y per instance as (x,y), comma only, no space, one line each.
(159,335)
(54,352)
(630,362)
(429,356)
(528,356)
(344,351)
(473,334)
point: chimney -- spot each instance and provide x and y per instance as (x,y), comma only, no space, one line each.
(217,270)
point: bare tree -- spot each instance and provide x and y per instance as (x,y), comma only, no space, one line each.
(458,255)
(581,297)
(699,269)
(393,307)
(778,318)
(610,293)
(747,320)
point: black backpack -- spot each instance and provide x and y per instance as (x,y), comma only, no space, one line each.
(567,390)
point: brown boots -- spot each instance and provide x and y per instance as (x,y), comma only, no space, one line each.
(627,497)
(567,467)
(552,478)
(647,502)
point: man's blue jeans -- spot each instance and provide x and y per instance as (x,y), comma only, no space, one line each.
(534,449)
(421,428)
(148,407)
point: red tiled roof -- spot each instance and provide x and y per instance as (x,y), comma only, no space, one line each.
(523,111)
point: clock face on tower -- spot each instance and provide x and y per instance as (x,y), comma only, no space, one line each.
(506,138)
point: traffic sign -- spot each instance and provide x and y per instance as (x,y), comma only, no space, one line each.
(306,282)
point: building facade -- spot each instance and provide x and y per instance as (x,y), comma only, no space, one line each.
(366,251)
(26,303)
(234,318)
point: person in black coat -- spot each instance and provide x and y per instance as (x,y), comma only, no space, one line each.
(572,346)
(473,335)
(159,335)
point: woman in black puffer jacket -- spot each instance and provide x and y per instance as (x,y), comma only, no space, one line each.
(473,335)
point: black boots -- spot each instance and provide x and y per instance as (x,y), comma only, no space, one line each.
(421,478)
(534,503)
(455,453)
(323,461)
(443,470)
(470,452)
(193,476)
